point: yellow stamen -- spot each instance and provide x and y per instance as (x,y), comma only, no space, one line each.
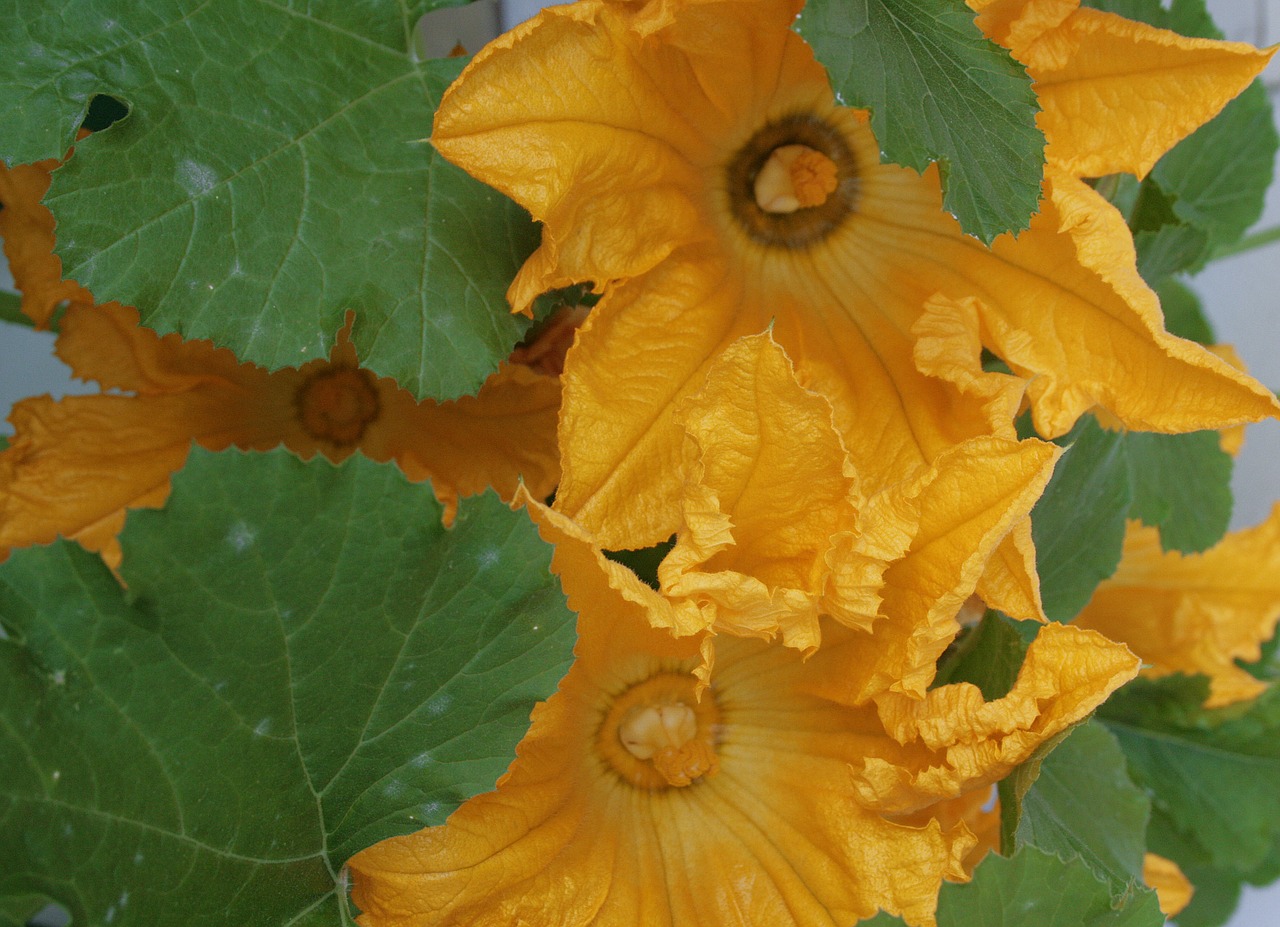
(681,765)
(650,730)
(667,736)
(795,177)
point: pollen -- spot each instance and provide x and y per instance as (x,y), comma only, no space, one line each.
(795,177)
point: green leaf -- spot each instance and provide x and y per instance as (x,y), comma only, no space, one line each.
(882,920)
(1084,804)
(1218,890)
(1170,249)
(11,309)
(306,662)
(1013,789)
(1218,176)
(272,173)
(1178,483)
(1211,774)
(1036,889)
(988,656)
(1185,17)
(938,90)
(16,911)
(1183,313)
(1078,524)
(1182,485)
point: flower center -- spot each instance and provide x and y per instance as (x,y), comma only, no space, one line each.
(795,177)
(337,403)
(794,182)
(656,734)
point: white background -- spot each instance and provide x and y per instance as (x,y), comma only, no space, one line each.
(1242,295)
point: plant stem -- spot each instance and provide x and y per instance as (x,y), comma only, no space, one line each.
(1250,243)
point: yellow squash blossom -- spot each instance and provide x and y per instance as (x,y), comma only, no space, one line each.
(766,799)
(75,465)
(1195,613)
(690,159)
(777,530)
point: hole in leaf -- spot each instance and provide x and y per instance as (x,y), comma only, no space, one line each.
(103,111)
(51,915)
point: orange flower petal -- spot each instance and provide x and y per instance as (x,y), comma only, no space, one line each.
(773,531)
(1155,86)
(1173,889)
(951,740)
(75,465)
(27,229)
(968,503)
(1068,312)
(1196,613)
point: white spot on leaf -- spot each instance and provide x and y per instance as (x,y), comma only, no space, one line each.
(440,704)
(196,178)
(241,537)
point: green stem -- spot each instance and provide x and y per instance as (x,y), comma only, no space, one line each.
(1250,242)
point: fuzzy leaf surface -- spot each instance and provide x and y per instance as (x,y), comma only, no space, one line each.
(1084,804)
(272,173)
(1211,774)
(306,662)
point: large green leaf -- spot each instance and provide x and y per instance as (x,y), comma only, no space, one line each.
(1186,17)
(306,662)
(938,90)
(1078,524)
(1084,804)
(1183,312)
(272,173)
(1218,177)
(1212,774)
(1180,484)
(1036,889)
(1217,890)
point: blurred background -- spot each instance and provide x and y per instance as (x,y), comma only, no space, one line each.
(1241,295)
